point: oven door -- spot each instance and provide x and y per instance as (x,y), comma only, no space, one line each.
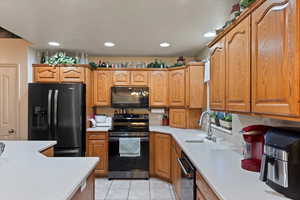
(128,167)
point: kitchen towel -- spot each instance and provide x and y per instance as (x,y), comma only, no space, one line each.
(130,147)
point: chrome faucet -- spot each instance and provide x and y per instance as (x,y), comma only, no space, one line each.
(209,131)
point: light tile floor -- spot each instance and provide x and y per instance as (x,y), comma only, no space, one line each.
(152,189)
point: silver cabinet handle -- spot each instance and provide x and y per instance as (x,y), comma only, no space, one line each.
(49,107)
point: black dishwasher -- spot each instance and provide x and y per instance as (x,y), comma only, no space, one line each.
(188,189)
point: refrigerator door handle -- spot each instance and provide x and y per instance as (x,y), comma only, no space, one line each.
(55,108)
(49,107)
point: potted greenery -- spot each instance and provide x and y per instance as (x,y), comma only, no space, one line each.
(226,122)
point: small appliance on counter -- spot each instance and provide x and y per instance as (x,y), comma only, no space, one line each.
(281,161)
(103,121)
(253,148)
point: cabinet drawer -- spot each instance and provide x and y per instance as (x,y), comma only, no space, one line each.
(97,136)
(204,188)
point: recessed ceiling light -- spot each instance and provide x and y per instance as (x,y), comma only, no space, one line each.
(109,44)
(164,44)
(210,34)
(56,44)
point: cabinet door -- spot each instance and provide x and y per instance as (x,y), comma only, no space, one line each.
(177,118)
(199,196)
(98,148)
(121,78)
(177,88)
(176,171)
(102,88)
(139,78)
(158,88)
(275,58)
(238,71)
(217,76)
(194,86)
(71,74)
(162,156)
(46,74)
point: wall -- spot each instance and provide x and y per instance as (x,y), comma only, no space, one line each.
(14,51)
(145,59)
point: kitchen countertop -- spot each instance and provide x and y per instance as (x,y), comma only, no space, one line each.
(98,129)
(220,165)
(27,174)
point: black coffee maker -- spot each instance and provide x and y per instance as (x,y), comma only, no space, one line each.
(280,166)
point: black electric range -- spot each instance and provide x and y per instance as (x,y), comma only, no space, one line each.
(136,127)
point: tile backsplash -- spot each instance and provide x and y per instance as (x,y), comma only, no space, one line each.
(154,118)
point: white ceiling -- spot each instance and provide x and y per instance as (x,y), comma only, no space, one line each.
(137,27)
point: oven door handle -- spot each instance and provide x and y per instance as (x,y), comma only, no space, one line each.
(188,175)
(143,139)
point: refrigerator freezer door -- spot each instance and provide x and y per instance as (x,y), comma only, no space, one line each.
(69,115)
(40,112)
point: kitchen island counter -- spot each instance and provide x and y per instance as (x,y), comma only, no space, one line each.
(27,174)
(220,165)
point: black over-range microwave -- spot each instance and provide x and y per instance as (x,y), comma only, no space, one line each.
(129,97)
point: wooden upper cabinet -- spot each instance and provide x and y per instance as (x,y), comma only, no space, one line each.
(275,58)
(71,74)
(46,74)
(121,78)
(102,88)
(238,67)
(162,156)
(178,118)
(139,78)
(158,89)
(177,88)
(194,86)
(217,76)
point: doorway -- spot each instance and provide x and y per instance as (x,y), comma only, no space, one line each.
(9,107)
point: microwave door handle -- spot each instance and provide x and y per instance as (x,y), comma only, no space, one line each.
(55,110)
(264,168)
(49,107)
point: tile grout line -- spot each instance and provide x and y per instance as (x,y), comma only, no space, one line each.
(149,188)
(129,188)
(107,192)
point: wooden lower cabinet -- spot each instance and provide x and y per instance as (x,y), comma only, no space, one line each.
(87,193)
(97,146)
(48,152)
(162,156)
(176,170)
(199,195)
(206,193)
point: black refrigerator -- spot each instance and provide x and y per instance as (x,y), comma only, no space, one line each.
(57,112)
